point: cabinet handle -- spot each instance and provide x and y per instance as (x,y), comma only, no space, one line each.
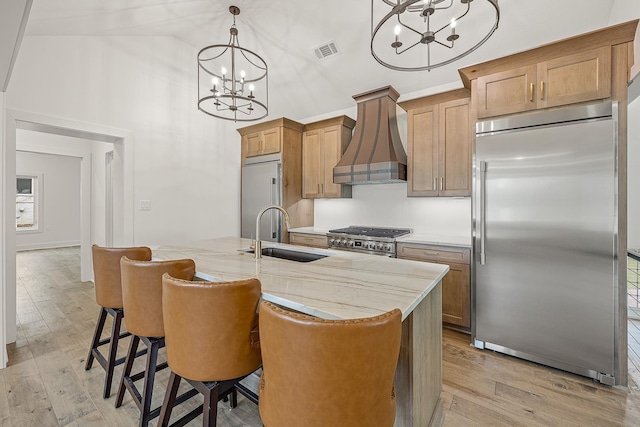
(431,253)
(541,90)
(435,183)
(322,188)
(530,92)
(318,188)
(442,183)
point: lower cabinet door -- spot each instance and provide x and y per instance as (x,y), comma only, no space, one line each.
(456,296)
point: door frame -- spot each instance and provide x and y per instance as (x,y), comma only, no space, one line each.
(123,223)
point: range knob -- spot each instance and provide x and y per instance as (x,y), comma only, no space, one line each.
(379,246)
(388,247)
(331,241)
(349,242)
(343,242)
(372,245)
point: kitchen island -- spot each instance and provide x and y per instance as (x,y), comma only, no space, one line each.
(347,285)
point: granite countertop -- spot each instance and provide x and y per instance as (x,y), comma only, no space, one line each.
(341,286)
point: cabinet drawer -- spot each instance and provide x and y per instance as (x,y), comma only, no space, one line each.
(314,240)
(434,253)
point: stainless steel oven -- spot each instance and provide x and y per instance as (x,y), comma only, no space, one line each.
(370,240)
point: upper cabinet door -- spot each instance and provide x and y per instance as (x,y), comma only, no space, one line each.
(332,152)
(422,159)
(253,144)
(263,142)
(454,149)
(575,78)
(311,164)
(271,141)
(506,92)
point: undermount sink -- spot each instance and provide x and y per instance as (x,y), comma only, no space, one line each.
(290,254)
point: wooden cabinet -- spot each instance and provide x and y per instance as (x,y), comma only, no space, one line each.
(439,145)
(323,144)
(456,284)
(262,142)
(570,79)
(306,239)
(281,138)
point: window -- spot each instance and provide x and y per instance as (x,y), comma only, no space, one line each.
(28,202)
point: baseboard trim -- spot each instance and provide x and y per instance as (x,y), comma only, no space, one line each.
(47,245)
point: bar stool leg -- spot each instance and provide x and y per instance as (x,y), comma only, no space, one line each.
(210,409)
(96,337)
(113,349)
(149,377)
(169,399)
(128,365)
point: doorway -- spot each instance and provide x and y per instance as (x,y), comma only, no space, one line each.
(122,194)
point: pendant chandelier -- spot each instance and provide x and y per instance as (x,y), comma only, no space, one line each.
(418,35)
(232,80)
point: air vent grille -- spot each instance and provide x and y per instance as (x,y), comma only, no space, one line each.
(325,50)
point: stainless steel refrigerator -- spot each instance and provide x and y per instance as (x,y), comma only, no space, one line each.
(545,236)
(261,187)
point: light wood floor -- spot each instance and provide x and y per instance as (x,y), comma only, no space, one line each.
(45,383)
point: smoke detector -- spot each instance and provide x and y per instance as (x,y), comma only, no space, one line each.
(326,50)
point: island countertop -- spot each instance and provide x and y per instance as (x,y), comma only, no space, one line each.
(341,286)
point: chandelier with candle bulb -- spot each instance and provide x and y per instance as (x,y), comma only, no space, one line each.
(232,80)
(417,35)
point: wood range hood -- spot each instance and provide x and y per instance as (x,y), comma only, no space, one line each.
(375,154)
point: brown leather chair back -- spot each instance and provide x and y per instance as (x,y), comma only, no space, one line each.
(211,328)
(106,272)
(320,373)
(142,292)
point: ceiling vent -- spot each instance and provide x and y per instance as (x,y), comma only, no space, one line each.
(325,50)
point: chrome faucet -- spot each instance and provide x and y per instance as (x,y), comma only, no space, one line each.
(258,249)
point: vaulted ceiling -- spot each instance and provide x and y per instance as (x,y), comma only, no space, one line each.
(284,33)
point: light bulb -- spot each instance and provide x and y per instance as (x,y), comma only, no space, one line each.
(242,74)
(396,30)
(224,71)
(214,81)
(251,87)
(453,22)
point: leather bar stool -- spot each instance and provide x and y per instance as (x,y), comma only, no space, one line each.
(319,373)
(106,272)
(212,340)
(142,298)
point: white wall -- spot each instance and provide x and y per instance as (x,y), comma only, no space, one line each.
(186,163)
(59,225)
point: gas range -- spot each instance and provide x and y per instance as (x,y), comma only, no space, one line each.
(371,240)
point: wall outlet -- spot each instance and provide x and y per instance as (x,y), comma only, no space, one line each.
(145,205)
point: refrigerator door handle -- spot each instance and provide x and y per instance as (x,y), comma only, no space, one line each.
(482,185)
